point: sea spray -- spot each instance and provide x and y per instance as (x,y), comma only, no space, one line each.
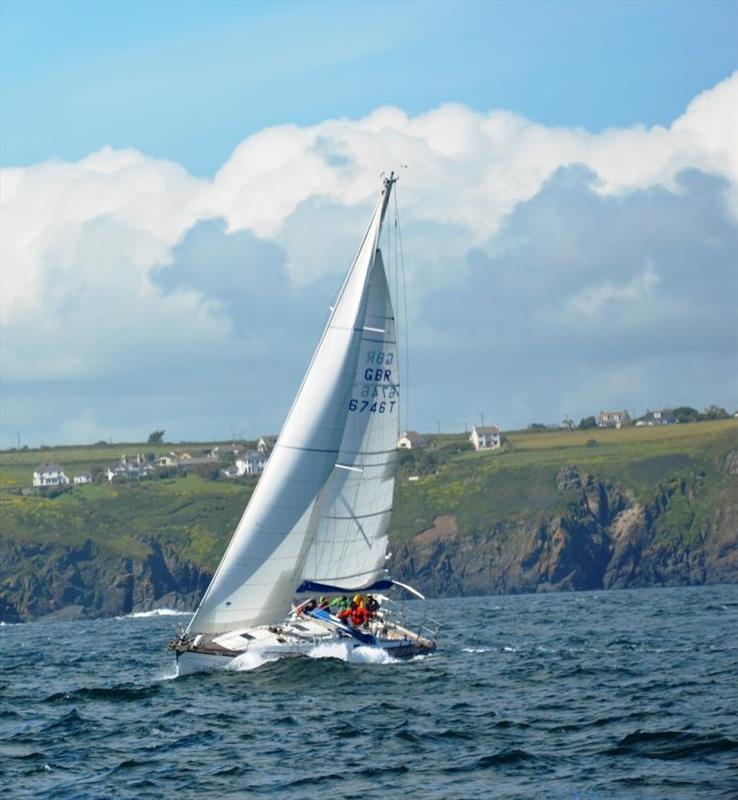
(250,660)
(156,612)
(352,655)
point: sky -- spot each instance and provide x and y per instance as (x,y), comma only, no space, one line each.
(182,186)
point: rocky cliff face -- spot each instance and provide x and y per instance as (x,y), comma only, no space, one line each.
(606,540)
(82,581)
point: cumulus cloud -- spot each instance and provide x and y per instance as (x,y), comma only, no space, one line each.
(585,301)
(122,270)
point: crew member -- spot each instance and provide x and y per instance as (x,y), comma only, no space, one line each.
(372,604)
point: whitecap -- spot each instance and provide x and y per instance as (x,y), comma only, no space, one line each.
(351,655)
(475,649)
(250,660)
(509,649)
(157,612)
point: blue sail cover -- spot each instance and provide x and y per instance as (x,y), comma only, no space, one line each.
(324,588)
(364,638)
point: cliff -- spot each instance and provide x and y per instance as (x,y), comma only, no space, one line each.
(548,512)
(606,540)
(66,582)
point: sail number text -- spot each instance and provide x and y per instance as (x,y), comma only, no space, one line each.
(376,374)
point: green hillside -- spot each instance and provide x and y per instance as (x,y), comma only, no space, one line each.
(518,480)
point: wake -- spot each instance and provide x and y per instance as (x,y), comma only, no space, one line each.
(253,659)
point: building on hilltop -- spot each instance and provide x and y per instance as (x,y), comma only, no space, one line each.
(613,419)
(49,475)
(84,477)
(485,437)
(184,458)
(663,416)
(251,463)
(130,468)
(265,445)
(411,440)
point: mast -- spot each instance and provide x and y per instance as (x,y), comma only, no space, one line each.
(388,183)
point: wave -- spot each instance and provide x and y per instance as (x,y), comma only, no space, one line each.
(250,660)
(339,651)
(504,758)
(672,745)
(157,612)
(124,692)
(355,655)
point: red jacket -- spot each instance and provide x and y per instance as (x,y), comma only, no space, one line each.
(359,616)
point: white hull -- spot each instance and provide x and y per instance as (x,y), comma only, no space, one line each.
(297,637)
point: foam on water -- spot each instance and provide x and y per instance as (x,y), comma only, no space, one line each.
(250,660)
(351,655)
(156,612)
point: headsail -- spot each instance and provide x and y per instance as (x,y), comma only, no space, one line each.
(267,556)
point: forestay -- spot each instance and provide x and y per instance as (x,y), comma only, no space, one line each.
(312,478)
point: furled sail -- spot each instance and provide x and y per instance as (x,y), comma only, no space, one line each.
(266,558)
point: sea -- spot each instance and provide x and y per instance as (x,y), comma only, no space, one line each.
(592,695)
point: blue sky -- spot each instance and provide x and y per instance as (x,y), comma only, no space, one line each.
(188,81)
(184,184)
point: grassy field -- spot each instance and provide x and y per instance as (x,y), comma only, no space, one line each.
(516,482)
(197,514)
(16,466)
(519,479)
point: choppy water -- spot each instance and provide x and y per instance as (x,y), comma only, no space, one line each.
(595,695)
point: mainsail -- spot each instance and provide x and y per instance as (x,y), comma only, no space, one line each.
(350,541)
(321,508)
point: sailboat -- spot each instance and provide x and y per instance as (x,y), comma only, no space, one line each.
(318,520)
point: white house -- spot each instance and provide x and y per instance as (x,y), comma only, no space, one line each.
(410,440)
(612,419)
(85,477)
(265,445)
(49,475)
(129,469)
(251,463)
(485,437)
